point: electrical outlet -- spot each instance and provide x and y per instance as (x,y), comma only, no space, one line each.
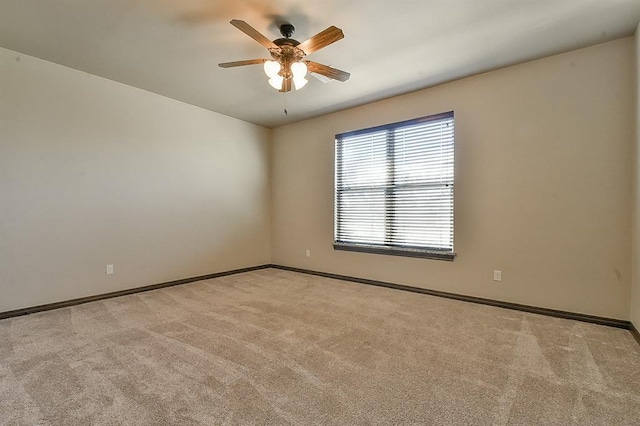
(497,275)
(308,253)
(109,269)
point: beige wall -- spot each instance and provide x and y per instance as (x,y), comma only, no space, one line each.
(93,172)
(635,284)
(543,177)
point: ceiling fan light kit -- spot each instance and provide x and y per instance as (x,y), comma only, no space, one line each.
(299,70)
(288,65)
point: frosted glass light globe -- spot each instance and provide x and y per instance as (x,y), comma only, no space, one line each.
(271,69)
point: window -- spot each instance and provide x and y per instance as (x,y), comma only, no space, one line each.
(394,188)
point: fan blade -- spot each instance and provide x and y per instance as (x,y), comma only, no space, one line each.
(286,85)
(320,40)
(241,63)
(253,33)
(327,71)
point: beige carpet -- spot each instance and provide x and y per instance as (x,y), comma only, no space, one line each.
(277,347)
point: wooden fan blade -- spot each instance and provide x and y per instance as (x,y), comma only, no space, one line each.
(327,71)
(253,33)
(286,85)
(241,63)
(322,39)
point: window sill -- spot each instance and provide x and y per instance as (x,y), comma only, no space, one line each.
(407,252)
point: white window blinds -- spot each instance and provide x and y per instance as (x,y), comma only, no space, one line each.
(394,188)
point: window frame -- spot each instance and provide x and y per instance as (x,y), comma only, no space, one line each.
(391,249)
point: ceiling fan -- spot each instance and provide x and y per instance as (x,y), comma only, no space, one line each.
(288,65)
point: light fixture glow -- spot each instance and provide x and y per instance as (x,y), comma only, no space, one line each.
(299,82)
(296,72)
(299,70)
(276,82)
(272,68)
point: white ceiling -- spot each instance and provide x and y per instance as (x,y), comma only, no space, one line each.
(172,47)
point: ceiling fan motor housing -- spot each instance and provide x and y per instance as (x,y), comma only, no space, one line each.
(287,51)
(287,30)
(286,54)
